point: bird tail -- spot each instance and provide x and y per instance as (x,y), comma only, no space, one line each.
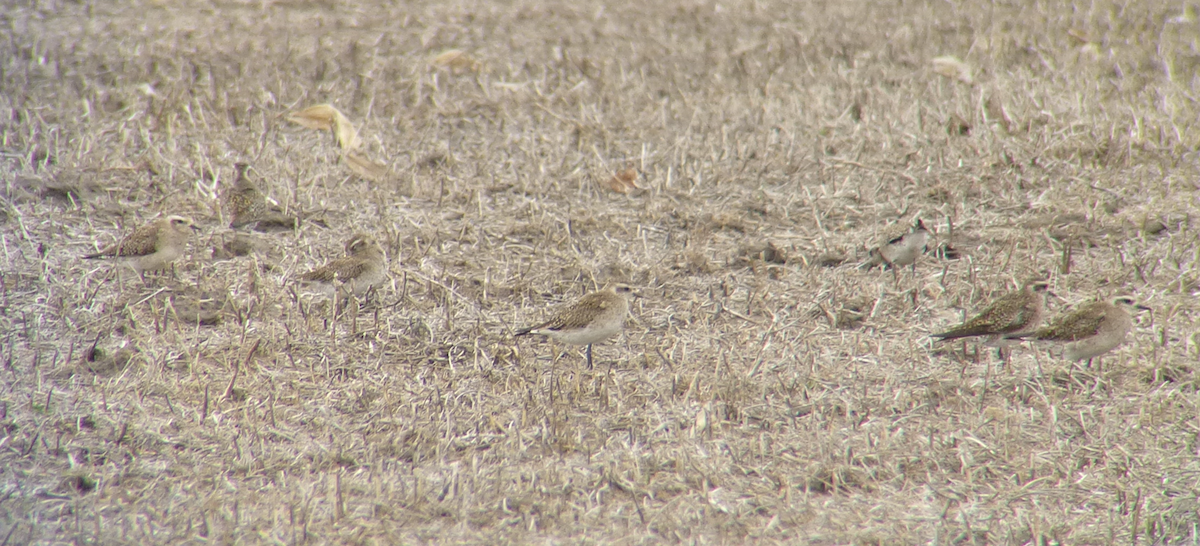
(951,335)
(874,259)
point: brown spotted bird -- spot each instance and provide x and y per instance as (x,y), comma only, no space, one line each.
(245,205)
(363,267)
(593,318)
(152,247)
(1091,330)
(1009,316)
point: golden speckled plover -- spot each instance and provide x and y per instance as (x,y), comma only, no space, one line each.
(363,267)
(1009,316)
(1091,330)
(153,246)
(244,204)
(593,318)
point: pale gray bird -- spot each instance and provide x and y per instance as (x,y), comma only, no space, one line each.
(593,318)
(153,246)
(1091,330)
(902,250)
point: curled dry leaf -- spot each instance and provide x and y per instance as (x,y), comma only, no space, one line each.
(325,117)
(347,136)
(364,166)
(624,181)
(455,59)
(951,67)
(319,117)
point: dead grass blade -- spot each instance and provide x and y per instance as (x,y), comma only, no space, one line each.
(455,59)
(364,166)
(319,117)
(952,67)
(997,113)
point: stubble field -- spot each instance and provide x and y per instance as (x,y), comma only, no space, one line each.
(765,389)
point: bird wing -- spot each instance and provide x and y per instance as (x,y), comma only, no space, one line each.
(245,206)
(1078,325)
(1003,316)
(342,270)
(142,242)
(579,315)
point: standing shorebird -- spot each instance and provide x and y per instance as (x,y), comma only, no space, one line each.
(902,250)
(245,204)
(363,267)
(1091,330)
(151,247)
(594,318)
(1011,315)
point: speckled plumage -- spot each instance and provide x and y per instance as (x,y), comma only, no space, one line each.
(363,267)
(1012,314)
(245,204)
(153,246)
(593,318)
(1091,330)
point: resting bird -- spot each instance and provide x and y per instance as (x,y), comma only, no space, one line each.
(363,267)
(1091,330)
(245,204)
(152,247)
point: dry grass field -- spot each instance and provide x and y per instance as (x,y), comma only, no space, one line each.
(765,389)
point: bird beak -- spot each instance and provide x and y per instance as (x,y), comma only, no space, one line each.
(1143,307)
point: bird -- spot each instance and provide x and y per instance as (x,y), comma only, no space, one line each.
(1010,315)
(593,318)
(363,267)
(245,204)
(152,247)
(1092,329)
(902,250)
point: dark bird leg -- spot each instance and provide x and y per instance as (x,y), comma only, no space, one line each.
(589,355)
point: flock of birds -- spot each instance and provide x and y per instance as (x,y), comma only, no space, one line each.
(1085,333)
(1089,331)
